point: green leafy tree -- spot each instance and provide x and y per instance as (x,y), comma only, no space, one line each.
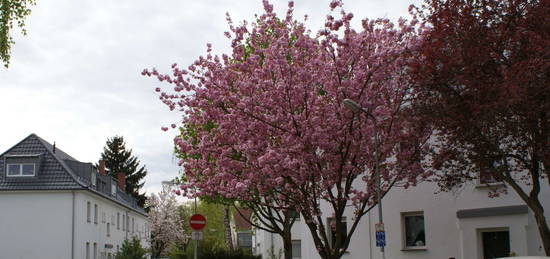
(118,159)
(12,13)
(131,249)
(213,233)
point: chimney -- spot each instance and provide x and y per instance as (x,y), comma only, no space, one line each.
(101,167)
(53,147)
(121,177)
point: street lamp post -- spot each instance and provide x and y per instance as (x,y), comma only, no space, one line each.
(356,107)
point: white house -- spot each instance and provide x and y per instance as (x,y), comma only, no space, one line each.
(465,224)
(55,207)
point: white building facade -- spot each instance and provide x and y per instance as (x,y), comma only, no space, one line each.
(422,223)
(54,207)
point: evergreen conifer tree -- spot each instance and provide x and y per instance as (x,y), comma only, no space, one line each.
(118,159)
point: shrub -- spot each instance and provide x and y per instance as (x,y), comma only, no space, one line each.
(226,254)
(131,249)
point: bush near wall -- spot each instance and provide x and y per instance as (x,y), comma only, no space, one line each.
(131,249)
(207,251)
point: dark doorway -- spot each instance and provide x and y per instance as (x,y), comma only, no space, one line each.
(495,244)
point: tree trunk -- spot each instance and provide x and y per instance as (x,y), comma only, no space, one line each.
(544,230)
(227,225)
(330,256)
(287,244)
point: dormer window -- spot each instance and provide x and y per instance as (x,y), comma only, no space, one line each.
(113,189)
(93,179)
(26,169)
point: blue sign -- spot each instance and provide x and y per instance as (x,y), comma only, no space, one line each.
(380,238)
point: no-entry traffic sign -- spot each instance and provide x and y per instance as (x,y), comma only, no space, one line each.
(197,222)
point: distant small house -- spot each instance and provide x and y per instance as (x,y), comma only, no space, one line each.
(55,207)
(243,229)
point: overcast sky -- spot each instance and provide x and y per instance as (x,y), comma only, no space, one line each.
(75,78)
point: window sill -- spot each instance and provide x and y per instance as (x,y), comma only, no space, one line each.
(490,185)
(419,248)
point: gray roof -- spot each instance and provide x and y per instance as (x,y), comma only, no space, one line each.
(56,170)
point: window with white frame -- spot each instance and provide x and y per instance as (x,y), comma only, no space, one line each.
(88,211)
(146,230)
(133,225)
(87,250)
(95,213)
(118,220)
(244,240)
(27,169)
(103,217)
(296,249)
(123,222)
(95,250)
(294,215)
(486,173)
(108,229)
(414,232)
(342,228)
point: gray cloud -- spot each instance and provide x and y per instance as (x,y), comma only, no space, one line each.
(75,78)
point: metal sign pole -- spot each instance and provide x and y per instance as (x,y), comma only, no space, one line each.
(379,193)
(196,253)
(197,223)
(196,249)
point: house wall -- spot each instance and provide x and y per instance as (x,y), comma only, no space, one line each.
(38,224)
(447,236)
(35,225)
(97,233)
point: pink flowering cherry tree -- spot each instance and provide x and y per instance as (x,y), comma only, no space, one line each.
(269,211)
(271,122)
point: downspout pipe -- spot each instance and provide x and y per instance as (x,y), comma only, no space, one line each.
(73,228)
(272,245)
(127,225)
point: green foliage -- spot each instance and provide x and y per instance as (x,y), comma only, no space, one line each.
(131,249)
(118,159)
(208,251)
(213,244)
(12,12)
(213,233)
(226,254)
(178,252)
(272,255)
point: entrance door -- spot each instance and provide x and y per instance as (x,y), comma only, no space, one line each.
(495,244)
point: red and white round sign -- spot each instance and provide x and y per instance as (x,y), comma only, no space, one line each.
(197,222)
